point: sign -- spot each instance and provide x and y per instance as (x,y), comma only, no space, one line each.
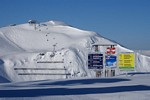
(95,61)
(126,61)
(111,50)
(111,61)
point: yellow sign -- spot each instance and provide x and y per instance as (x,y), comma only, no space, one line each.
(126,61)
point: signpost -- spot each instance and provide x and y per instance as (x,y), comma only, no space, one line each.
(111,61)
(126,61)
(99,64)
(95,61)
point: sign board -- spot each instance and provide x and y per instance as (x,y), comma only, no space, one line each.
(126,61)
(111,61)
(95,61)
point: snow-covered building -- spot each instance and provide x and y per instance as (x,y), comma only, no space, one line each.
(32,21)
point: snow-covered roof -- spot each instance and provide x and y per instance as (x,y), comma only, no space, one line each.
(32,21)
(105,44)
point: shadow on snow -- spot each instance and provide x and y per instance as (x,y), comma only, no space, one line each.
(67,91)
(85,81)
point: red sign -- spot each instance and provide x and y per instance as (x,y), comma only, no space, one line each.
(111,50)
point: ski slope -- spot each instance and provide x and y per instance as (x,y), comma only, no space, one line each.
(131,87)
(51,50)
(144,52)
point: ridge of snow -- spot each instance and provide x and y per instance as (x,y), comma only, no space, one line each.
(56,23)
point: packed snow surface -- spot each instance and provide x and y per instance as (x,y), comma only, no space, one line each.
(128,87)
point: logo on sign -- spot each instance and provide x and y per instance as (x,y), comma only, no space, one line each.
(111,61)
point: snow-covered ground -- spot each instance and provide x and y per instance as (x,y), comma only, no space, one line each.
(131,87)
(24,48)
(49,61)
(144,52)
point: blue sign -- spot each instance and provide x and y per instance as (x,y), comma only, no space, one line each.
(111,61)
(95,61)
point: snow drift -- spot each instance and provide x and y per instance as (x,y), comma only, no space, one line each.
(51,50)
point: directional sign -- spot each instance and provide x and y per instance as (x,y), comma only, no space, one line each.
(95,61)
(126,61)
(111,61)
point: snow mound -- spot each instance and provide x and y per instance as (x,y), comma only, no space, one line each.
(51,50)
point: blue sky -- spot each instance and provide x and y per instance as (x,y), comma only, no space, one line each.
(125,21)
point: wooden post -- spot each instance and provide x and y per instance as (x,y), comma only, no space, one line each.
(96,48)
